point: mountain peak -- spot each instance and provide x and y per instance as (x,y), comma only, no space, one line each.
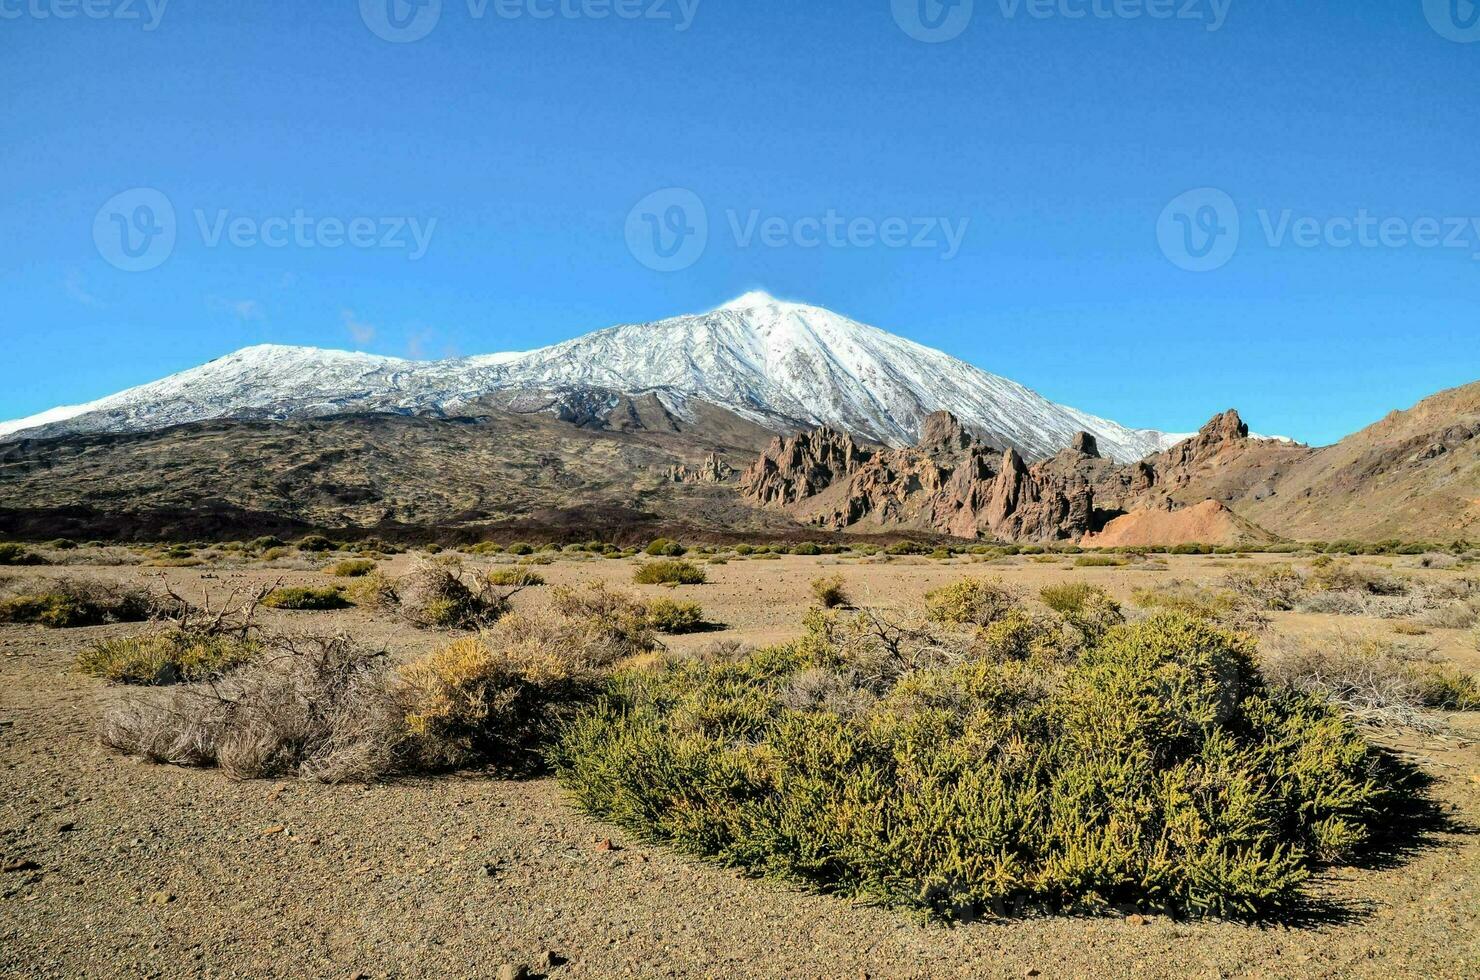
(753,300)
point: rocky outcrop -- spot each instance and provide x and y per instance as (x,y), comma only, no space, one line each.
(712,470)
(795,468)
(951,482)
(1085,444)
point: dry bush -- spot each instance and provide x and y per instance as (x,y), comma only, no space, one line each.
(65,603)
(496,699)
(1372,677)
(519,576)
(1274,587)
(373,591)
(434,596)
(322,709)
(830,592)
(299,598)
(1223,607)
(617,615)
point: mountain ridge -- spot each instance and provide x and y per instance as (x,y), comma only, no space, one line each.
(787,366)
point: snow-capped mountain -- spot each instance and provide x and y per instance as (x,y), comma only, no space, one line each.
(783,365)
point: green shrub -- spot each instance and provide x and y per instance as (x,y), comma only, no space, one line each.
(668,616)
(1099,561)
(15,554)
(486,548)
(62,544)
(352,568)
(315,542)
(1086,607)
(807,548)
(520,577)
(520,548)
(907,548)
(970,602)
(669,572)
(1158,771)
(665,548)
(830,591)
(168,657)
(303,598)
(69,603)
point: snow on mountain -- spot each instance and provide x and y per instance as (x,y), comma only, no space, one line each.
(783,365)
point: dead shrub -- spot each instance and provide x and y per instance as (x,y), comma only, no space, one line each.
(321,709)
(1374,678)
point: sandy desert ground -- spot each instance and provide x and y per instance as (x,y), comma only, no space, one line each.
(113,867)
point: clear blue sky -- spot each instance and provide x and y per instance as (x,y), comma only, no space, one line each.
(529,140)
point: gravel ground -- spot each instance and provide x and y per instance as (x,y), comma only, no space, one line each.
(117,868)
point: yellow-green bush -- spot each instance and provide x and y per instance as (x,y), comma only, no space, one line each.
(352,568)
(167,657)
(1088,608)
(669,572)
(518,577)
(496,699)
(72,603)
(669,616)
(1157,770)
(15,554)
(830,591)
(970,602)
(616,615)
(1223,607)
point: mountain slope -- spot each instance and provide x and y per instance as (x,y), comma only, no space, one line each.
(785,366)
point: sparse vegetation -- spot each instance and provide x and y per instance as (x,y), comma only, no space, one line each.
(1155,769)
(618,616)
(669,572)
(1099,561)
(16,554)
(1223,607)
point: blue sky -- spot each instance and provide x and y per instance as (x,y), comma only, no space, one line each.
(518,147)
